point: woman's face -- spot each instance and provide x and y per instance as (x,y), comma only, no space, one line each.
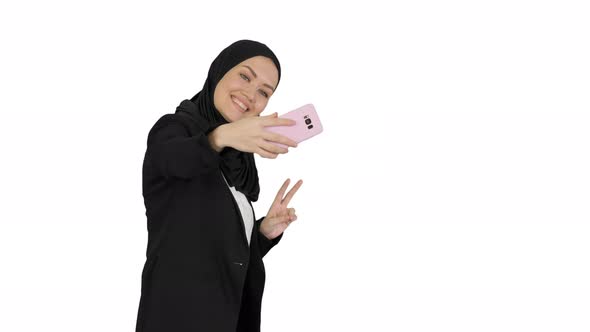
(251,83)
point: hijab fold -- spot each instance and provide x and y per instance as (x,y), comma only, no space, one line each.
(238,167)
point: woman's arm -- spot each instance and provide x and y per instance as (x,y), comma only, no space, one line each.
(173,152)
(249,135)
(216,138)
(265,243)
(272,227)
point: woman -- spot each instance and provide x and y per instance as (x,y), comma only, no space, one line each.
(204,269)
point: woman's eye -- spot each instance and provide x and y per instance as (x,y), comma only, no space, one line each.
(248,79)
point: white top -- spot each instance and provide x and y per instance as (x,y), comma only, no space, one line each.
(245,209)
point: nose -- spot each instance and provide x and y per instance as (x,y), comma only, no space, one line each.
(250,93)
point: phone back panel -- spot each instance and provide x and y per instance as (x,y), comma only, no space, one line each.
(307,124)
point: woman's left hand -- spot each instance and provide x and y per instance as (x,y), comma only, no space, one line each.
(279,215)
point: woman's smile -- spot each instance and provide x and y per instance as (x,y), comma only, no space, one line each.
(240,105)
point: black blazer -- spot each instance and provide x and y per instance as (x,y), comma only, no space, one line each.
(200,273)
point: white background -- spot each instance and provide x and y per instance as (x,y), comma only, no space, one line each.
(449,191)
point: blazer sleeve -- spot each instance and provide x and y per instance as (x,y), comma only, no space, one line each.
(173,152)
(263,241)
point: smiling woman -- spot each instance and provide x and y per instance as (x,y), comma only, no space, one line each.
(244,91)
(204,269)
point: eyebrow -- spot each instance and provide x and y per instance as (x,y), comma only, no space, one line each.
(256,76)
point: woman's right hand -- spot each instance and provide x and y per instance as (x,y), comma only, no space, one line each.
(249,135)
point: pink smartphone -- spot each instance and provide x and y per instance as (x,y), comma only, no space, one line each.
(307,125)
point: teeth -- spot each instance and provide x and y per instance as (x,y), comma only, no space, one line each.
(240,103)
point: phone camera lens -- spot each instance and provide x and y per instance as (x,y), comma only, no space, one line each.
(307,121)
(310,126)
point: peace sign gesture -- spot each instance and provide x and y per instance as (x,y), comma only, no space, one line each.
(279,215)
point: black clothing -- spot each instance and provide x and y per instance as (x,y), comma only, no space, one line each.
(200,273)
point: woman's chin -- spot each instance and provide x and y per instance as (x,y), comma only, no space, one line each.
(230,116)
(236,117)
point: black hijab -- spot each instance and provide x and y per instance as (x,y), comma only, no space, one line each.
(238,167)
